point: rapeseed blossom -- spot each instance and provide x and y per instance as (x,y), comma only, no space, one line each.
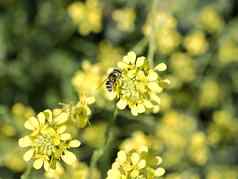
(125,19)
(48,141)
(136,164)
(87,16)
(79,113)
(139,85)
(210,20)
(196,43)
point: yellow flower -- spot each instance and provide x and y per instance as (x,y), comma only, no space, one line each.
(139,85)
(222,171)
(183,67)
(124,18)
(48,141)
(160,20)
(87,16)
(108,55)
(94,135)
(210,20)
(162,27)
(196,43)
(138,140)
(167,40)
(198,149)
(21,111)
(210,93)
(228,51)
(136,164)
(78,171)
(79,113)
(88,79)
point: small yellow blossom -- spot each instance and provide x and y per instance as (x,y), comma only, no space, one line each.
(160,20)
(136,164)
(87,16)
(125,19)
(198,149)
(21,111)
(48,141)
(210,20)
(78,171)
(139,85)
(183,67)
(162,27)
(210,94)
(88,79)
(79,113)
(196,43)
(138,140)
(167,40)
(224,128)
(94,135)
(228,51)
(108,55)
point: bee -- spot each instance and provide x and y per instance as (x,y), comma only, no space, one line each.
(112,79)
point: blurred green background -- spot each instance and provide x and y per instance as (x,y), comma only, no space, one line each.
(44,45)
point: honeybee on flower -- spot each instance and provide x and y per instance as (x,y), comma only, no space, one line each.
(136,85)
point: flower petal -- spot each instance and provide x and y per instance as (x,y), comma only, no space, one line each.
(121,104)
(140,61)
(61,129)
(161,67)
(65,136)
(38,164)
(25,141)
(28,155)
(135,158)
(152,76)
(155,87)
(41,118)
(69,158)
(31,123)
(159,172)
(90,100)
(61,118)
(140,108)
(131,57)
(74,143)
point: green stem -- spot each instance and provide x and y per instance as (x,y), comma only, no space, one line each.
(151,51)
(140,46)
(26,174)
(98,153)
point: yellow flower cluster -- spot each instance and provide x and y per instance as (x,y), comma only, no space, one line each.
(48,141)
(179,140)
(125,19)
(87,16)
(139,85)
(136,164)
